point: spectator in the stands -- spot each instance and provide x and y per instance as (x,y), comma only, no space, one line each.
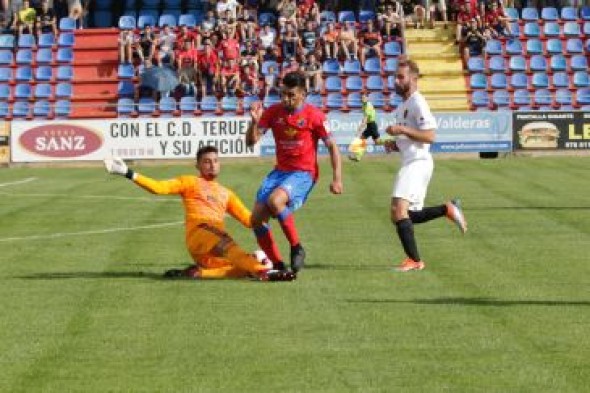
(6,23)
(463,21)
(144,90)
(146,44)
(291,43)
(186,56)
(184,35)
(308,10)
(165,44)
(348,41)
(126,43)
(497,20)
(414,12)
(230,77)
(330,41)
(271,84)
(187,79)
(313,74)
(208,28)
(271,54)
(228,5)
(441,7)
(371,42)
(208,67)
(266,37)
(474,41)
(309,38)
(230,47)
(249,55)
(247,24)
(288,10)
(46,19)
(77,11)
(390,20)
(249,79)
(292,65)
(25,18)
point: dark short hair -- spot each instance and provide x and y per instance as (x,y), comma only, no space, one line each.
(205,150)
(294,79)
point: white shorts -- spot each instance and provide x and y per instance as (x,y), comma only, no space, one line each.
(412,181)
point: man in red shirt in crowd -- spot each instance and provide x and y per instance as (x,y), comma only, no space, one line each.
(297,128)
(186,57)
(464,16)
(230,77)
(230,47)
(184,35)
(496,19)
(208,66)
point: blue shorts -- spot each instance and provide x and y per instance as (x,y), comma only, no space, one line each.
(297,184)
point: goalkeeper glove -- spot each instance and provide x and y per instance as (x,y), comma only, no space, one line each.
(116,166)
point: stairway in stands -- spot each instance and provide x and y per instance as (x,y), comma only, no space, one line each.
(95,74)
(442,81)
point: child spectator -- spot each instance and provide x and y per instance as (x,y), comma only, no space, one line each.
(25,18)
(348,41)
(146,44)
(46,19)
(270,81)
(371,43)
(166,43)
(126,42)
(474,41)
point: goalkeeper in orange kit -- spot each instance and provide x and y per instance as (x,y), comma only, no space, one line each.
(214,252)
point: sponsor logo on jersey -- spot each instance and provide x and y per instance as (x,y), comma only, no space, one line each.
(290,132)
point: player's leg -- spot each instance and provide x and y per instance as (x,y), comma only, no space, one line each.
(405,233)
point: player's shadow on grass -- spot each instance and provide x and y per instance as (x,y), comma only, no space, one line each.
(91,275)
(476,301)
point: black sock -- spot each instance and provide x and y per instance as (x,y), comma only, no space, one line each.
(405,231)
(427,214)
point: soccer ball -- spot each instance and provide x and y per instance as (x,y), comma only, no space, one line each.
(263,259)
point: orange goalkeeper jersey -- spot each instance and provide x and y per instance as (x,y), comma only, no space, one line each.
(204,201)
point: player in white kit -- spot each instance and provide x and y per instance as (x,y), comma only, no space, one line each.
(414,130)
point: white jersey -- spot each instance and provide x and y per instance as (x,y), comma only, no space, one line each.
(414,113)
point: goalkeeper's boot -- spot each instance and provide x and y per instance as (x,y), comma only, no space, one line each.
(189,272)
(277,275)
(455,214)
(409,264)
(297,258)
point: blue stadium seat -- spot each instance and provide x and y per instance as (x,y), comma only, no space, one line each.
(331,67)
(392,49)
(560,80)
(66,39)
(373,65)
(564,97)
(521,97)
(477,64)
(498,80)
(395,100)
(102,18)
(65,55)
(267,64)
(579,63)
(24,56)
(315,100)
(542,97)
(517,64)
(375,83)
(377,99)
(478,81)
(271,99)
(21,109)
(585,12)
(334,101)
(532,29)
(390,65)
(188,104)
(551,29)
(540,80)
(229,104)
(4,92)
(209,104)
(346,16)
(501,98)
(146,106)
(249,100)
(519,80)
(5,74)
(581,79)
(126,89)
(65,73)
(569,14)
(67,24)
(583,96)
(41,108)
(366,15)
(354,83)
(514,47)
(530,14)
(63,90)
(558,63)
(63,108)
(151,4)
(586,28)
(534,46)
(352,67)
(26,41)
(4,109)
(167,106)
(127,22)
(126,71)
(554,46)
(46,40)
(44,56)
(354,101)
(24,74)
(188,20)
(103,4)
(571,29)
(167,19)
(515,29)
(326,16)
(132,13)
(146,18)
(44,73)
(42,90)
(22,91)
(480,99)
(549,14)
(574,46)
(333,84)
(267,18)
(512,13)
(494,47)
(497,64)
(125,107)
(7,41)
(538,63)
(199,16)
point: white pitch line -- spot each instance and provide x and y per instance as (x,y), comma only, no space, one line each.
(72,196)
(95,232)
(12,183)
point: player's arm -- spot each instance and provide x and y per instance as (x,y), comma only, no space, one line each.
(117,166)
(335,160)
(257,124)
(237,209)
(424,136)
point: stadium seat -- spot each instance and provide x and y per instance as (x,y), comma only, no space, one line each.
(377,99)
(540,80)
(583,96)
(44,56)
(132,13)
(325,16)
(494,47)
(267,64)
(534,46)
(24,56)
(564,97)
(530,14)
(62,108)
(333,84)
(478,81)
(198,15)
(229,104)
(353,101)
(4,109)
(480,99)
(188,20)
(271,99)
(501,98)
(557,63)
(390,65)
(571,29)
(514,47)
(574,46)
(585,12)
(187,104)
(41,108)
(21,109)
(7,41)
(538,63)
(127,22)
(551,29)
(63,90)
(554,46)
(352,67)
(125,107)
(586,29)
(395,100)
(102,18)
(65,55)
(266,18)
(126,71)
(24,74)
(497,64)
(67,24)
(579,63)
(26,41)
(334,101)
(372,65)
(517,64)
(209,104)
(549,14)
(46,40)
(4,92)
(146,18)
(542,97)
(146,106)
(581,79)
(515,29)
(521,97)
(532,29)
(392,49)
(150,4)
(65,73)
(354,83)
(519,80)
(366,15)
(66,39)
(346,16)
(22,91)
(44,73)
(5,74)
(331,67)
(315,100)
(560,80)
(512,13)
(498,80)
(375,83)
(126,89)
(249,100)
(569,14)
(103,4)
(167,19)
(477,64)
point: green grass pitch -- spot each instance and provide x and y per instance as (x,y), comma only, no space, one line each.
(505,308)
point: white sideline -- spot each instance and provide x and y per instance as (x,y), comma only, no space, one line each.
(95,232)
(72,196)
(12,183)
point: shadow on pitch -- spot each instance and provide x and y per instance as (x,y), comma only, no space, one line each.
(92,275)
(478,301)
